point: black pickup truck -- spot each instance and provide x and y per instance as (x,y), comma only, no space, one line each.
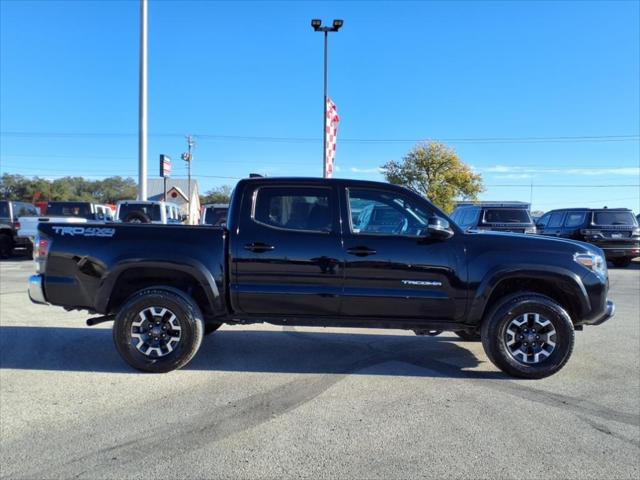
(311,252)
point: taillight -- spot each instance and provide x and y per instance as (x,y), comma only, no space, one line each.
(41,248)
(16,225)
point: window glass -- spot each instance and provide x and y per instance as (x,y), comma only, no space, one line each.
(574,219)
(4,209)
(294,208)
(555,220)
(470,217)
(507,215)
(215,215)
(385,213)
(25,210)
(605,217)
(69,209)
(150,210)
(542,221)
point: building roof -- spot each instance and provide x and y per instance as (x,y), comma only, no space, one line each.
(155,187)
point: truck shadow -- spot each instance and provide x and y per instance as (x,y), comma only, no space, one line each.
(229,350)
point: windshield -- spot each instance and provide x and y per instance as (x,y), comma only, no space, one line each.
(608,217)
(151,210)
(507,215)
(69,209)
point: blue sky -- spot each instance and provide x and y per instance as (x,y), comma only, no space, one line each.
(229,72)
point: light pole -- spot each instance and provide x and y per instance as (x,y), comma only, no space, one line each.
(317,26)
(142,106)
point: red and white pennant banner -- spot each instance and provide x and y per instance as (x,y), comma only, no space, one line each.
(331,126)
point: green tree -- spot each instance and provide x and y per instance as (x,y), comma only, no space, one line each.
(108,190)
(217,195)
(436,171)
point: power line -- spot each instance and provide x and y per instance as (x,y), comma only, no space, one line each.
(253,138)
(541,185)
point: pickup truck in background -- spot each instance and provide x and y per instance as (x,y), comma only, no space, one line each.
(318,252)
(10,214)
(63,212)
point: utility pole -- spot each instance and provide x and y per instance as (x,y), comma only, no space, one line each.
(188,157)
(142,106)
(531,194)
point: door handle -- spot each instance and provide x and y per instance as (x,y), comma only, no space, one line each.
(258,247)
(361,251)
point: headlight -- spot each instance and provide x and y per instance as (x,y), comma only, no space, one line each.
(594,262)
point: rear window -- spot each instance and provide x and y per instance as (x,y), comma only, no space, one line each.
(507,215)
(69,209)
(24,210)
(215,216)
(609,217)
(294,208)
(4,209)
(150,210)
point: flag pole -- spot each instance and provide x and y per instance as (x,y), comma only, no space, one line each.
(324,116)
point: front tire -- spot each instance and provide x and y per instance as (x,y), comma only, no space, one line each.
(158,330)
(528,335)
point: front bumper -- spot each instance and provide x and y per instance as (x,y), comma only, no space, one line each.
(36,289)
(601,317)
(621,252)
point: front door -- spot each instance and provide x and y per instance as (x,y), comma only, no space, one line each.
(288,254)
(393,268)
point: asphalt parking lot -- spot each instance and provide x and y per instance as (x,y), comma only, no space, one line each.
(268,402)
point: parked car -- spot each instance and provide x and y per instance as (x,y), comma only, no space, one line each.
(214,214)
(10,213)
(292,255)
(494,216)
(86,210)
(137,211)
(614,230)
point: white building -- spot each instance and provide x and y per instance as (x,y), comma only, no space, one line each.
(177,192)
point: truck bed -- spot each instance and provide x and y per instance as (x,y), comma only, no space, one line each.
(84,263)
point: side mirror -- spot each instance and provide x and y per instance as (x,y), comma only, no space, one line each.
(439,228)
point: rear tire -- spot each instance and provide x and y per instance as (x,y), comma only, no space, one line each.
(469,335)
(528,335)
(621,262)
(158,329)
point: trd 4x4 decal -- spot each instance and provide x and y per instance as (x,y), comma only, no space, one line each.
(85,231)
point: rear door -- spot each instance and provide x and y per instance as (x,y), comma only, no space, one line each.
(554,225)
(288,257)
(573,221)
(393,268)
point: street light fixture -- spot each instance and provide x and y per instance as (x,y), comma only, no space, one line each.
(316,24)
